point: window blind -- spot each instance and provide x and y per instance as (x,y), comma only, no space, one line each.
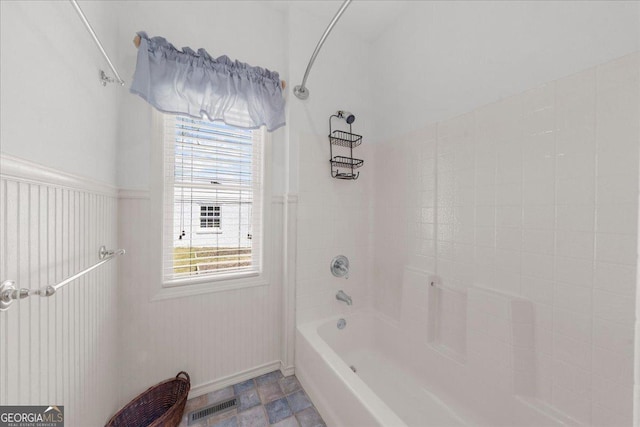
(212,200)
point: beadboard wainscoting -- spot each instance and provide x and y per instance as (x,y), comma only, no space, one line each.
(59,350)
(220,337)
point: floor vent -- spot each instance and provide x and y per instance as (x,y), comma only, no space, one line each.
(216,408)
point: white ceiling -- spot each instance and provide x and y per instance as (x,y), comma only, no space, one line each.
(366,19)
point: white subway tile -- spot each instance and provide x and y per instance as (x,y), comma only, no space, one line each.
(574,325)
(507,282)
(539,192)
(613,395)
(617,159)
(581,84)
(544,380)
(572,298)
(509,172)
(617,187)
(497,305)
(572,351)
(538,217)
(544,316)
(618,73)
(618,218)
(539,97)
(576,166)
(577,141)
(544,341)
(509,238)
(465,196)
(539,241)
(445,250)
(485,195)
(576,191)
(509,216)
(603,416)
(613,336)
(538,168)
(537,289)
(613,365)
(616,278)
(523,337)
(509,194)
(575,217)
(508,260)
(574,271)
(485,216)
(577,407)
(537,265)
(485,236)
(575,244)
(464,233)
(573,378)
(539,147)
(616,248)
(614,307)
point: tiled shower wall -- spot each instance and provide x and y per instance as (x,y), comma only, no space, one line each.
(534,196)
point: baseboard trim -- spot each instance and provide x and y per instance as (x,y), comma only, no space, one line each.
(223,382)
(287,370)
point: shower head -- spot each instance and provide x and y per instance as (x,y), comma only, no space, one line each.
(347,116)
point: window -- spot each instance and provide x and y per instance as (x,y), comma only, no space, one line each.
(209,216)
(211,171)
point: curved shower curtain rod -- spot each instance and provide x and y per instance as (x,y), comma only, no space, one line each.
(301,91)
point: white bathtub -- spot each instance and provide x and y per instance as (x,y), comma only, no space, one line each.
(399,380)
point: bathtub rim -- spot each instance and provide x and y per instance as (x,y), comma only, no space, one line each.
(378,409)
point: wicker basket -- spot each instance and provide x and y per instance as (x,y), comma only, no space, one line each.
(160,406)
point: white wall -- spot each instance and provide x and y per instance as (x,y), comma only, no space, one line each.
(443,58)
(221,28)
(60,350)
(53,109)
(529,192)
(334,216)
(216,337)
(54,112)
(534,196)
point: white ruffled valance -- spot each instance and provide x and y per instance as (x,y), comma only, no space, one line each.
(198,85)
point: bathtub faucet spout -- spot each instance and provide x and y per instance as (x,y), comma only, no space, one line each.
(341,296)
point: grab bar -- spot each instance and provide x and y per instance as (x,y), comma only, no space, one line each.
(9,292)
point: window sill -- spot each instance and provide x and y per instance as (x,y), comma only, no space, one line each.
(173,290)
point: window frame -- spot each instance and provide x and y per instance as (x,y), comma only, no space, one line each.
(216,282)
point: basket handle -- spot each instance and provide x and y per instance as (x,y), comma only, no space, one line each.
(187,375)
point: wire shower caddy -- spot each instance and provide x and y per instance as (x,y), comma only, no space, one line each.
(350,140)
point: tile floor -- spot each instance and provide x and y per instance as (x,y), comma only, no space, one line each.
(268,400)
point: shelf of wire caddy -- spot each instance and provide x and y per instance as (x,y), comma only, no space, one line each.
(343,167)
(345,139)
(346,162)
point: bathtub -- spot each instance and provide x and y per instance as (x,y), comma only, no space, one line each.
(376,373)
